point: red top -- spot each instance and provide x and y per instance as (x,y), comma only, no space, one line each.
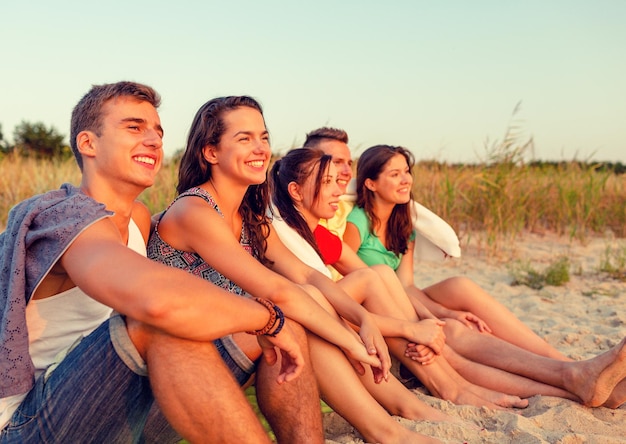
(329,244)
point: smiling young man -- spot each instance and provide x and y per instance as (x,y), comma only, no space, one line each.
(70,368)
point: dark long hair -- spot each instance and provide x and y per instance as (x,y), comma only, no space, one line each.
(296,166)
(207,128)
(371,163)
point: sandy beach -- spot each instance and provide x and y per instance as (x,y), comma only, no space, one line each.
(583,318)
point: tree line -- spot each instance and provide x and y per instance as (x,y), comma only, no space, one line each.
(39,141)
(35,140)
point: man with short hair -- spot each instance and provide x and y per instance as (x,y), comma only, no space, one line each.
(435,239)
(70,370)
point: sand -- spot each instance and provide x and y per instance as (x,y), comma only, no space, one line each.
(582,318)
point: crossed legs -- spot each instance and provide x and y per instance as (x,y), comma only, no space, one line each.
(463,294)
(594,381)
(378,293)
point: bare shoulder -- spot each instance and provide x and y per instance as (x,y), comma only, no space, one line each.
(190,222)
(352,237)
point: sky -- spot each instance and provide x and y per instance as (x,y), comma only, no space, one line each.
(444,79)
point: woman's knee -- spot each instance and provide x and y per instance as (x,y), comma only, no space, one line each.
(384,271)
(453,328)
(460,284)
(368,277)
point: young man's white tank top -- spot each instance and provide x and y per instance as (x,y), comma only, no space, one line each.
(57,322)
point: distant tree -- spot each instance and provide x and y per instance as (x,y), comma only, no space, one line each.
(34,139)
(4,145)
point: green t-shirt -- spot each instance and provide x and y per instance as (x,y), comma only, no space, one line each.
(372,251)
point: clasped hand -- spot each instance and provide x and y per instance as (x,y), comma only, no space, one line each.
(428,340)
(292,361)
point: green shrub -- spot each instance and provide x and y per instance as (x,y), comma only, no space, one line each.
(556,274)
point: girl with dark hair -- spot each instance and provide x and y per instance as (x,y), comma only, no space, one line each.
(379,231)
(218,229)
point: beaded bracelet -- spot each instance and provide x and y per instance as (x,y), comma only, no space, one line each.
(281,321)
(276,315)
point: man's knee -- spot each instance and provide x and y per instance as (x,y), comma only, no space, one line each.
(299,333)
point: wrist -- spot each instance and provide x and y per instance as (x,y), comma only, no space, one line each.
(276,321)
(407,329)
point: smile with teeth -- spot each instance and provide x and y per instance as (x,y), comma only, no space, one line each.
(256,163)
(145,159)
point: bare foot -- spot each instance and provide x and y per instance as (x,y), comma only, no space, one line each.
(594,382)
(470,394)
(500,399)
(468,398)
(618,396)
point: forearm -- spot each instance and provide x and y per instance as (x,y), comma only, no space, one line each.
(164,297)
(391,327)
(300,306)
(345,306)
(425,306)
(208,316)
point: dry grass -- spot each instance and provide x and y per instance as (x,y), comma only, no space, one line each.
(499,202)
(22,177)
(492,203)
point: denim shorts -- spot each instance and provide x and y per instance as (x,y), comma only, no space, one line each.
(98,393)
(235,359)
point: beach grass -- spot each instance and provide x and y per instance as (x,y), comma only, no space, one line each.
(492,203)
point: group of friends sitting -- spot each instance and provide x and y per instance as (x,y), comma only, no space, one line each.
(123,326)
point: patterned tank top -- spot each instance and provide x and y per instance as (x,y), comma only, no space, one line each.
(161,251)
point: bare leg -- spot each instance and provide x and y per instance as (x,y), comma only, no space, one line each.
(592,381)
(399,401)
(396,291)
(443,381)
(344,392)
(465,349)
(439,377)
(277,401)
(460,293)
(198,395)
(500,380)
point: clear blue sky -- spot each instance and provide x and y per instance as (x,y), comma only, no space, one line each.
(440,78)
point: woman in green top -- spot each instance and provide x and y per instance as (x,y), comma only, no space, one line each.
(379,229)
